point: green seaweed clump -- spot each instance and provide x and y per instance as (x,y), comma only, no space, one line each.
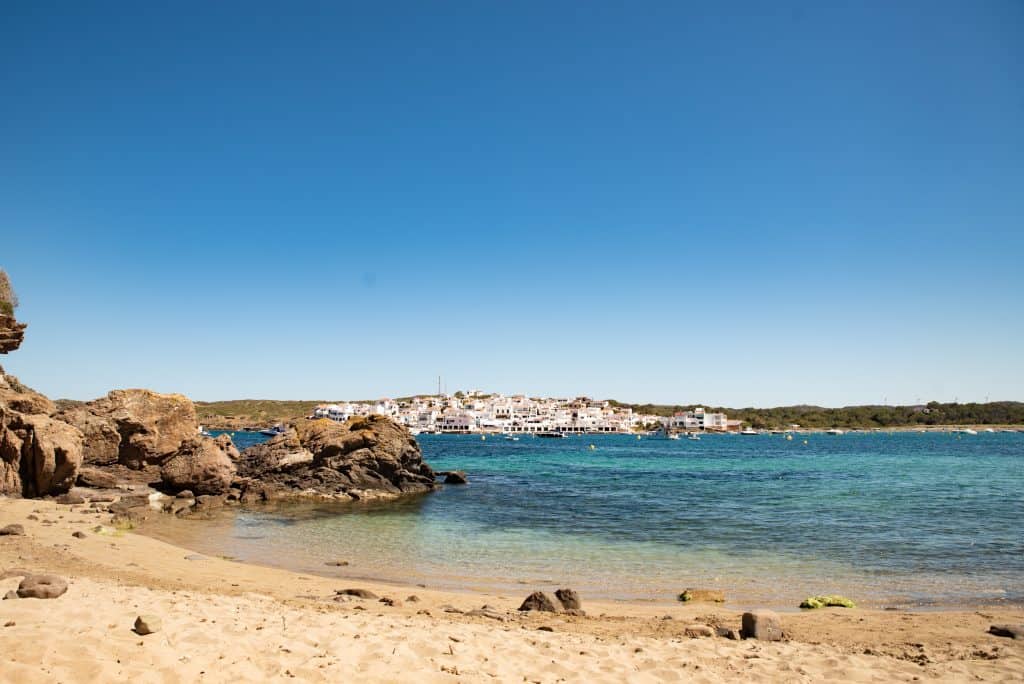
(835,601)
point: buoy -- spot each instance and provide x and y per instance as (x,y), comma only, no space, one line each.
(483,438)
(592,447)
(789,438)
(805,441)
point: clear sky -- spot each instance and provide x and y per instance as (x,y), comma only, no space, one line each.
(742,203)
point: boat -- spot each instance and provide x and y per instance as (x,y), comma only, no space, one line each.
(551,435)
(693,437)
(204,432)
(834,431)
(969,431)
(749,431)
(273,431)
(511,438)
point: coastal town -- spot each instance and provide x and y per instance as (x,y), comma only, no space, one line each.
(479,412)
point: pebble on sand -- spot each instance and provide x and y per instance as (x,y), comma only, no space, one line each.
(147,624)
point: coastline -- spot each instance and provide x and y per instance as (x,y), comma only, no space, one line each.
(227,620)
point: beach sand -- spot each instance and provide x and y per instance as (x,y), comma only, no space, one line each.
(227,621)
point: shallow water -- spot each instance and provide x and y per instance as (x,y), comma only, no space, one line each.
(904,519)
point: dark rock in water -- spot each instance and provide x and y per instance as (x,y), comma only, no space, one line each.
(359,593)
(1011,631)
(365,457)
(200,466)
(456,477)
(538,600)
(709,595)
(12,530)
(96,478)
(763,625)
(42,587)
(569,599)
(147,624)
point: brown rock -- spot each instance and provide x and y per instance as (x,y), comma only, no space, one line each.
(698,631)
(539,601)
(79,535)
(12,333)
(569,599)
(763,625)
(101,441)
(94,477)
(456,477)
(12,530)
(10,595)
(42,587)
(201,466)
(147,624)
(1011,631)
(39,455)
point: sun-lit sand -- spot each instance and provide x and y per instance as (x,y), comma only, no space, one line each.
(226,621)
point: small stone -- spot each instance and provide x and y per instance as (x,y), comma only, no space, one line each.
(569,599)
(703,595)
(10,595)
(697,631)
(359,593)
(337,564)
(42,587)
(78,535)
(185,494)
(763,625)
(9,623)
(147,624)
(538,600)
(727,633)
(32,517)
(391,602)
(412,598)
(70,499)
(1011,631)
(12,530)
(545,628)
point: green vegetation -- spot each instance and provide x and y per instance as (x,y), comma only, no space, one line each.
(933,413)
(8,299)
(827,601)
(251,412)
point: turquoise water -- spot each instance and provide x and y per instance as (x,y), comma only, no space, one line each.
(905,519)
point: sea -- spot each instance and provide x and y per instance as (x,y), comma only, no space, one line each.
(891,520)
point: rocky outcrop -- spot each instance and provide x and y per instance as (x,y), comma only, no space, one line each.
(149,427)
(201,465)
(22,399)
(12,333)
(38,455)
(365,457)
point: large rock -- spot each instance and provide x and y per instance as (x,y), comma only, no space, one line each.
(42,587)
(18,397)
(763,625)
(12,333)
(366,456)
(540,601)
(39,455)
(201,465)
(150,427)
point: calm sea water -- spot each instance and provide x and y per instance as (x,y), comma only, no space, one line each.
(903,519)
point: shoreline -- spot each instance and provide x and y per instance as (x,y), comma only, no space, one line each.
(114,577)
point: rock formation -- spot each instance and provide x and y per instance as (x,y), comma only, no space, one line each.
(201,466)
(364,457)
(38,455)
(149,427)
(12,333)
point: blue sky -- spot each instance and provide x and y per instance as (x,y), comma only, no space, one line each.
(742,203)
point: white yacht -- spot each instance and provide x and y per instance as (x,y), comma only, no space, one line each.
(749,431)
(834,431)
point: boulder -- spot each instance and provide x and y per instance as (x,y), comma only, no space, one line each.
(456,477)
(151,427)
(538,601)
(95,478)
(361,458)
(827,601)
(201,466)
(703,595)
(101,439)
(569,599)
(12,530)
(21,398)
(763,625)
(42,587)
(39,455)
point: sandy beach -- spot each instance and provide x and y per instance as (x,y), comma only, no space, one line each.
(228,621)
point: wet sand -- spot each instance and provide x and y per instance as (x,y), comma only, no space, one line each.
(228,621)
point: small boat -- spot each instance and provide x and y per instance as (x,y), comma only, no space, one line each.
(551,435)
(969,431)
(693,437)
(511,438)
(749,431)
(834,431)
(273,431)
